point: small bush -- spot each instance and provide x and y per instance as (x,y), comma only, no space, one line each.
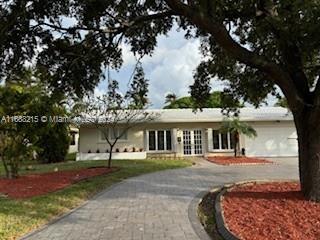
(54,143)
(71,156)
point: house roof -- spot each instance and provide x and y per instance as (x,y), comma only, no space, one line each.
(207,115)
(215,115)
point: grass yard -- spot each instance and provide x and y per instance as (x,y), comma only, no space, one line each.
(17,217)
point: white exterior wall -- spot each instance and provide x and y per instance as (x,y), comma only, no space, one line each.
(275,139)
(115,156)
(90,139)
(137,137)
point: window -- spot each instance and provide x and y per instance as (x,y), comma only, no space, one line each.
(168,140)
(159,140)
(152,140)
(73,138)
(215,137)
(114,133)
(118,133)
(222,141)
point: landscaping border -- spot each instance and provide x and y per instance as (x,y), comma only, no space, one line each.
(194,218)
(220,222)
(244,164)
(221,226)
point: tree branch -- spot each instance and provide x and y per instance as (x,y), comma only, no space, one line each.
(292,57)
(114,30)
(234,49)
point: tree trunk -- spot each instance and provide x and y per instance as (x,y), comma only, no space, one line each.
(235,140)
(110,156)
(308,131)
(6,169)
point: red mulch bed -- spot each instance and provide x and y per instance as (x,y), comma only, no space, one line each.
(271,211)
(222,160)
(39,184)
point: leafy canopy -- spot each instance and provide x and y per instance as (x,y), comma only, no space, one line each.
(215,100)
(251,45)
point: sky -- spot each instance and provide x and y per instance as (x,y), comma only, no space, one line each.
(169,70)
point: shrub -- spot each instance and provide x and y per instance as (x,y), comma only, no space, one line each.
(54,143)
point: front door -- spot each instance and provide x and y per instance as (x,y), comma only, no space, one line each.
(192,142)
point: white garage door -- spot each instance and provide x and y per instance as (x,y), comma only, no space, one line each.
(274,140)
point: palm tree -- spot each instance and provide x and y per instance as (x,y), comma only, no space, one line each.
(170,98)
(235,127)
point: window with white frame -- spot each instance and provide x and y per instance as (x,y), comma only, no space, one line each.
(73,138)
(222,141)
(159,140)
(121,134)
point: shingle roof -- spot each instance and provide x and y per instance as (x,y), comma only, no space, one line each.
(215,115)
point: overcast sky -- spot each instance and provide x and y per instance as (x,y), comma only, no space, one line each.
(170,69)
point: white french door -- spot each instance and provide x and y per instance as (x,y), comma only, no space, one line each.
(192,142)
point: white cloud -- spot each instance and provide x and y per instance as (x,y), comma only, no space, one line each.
(171,70)
(98,92)
(127,56)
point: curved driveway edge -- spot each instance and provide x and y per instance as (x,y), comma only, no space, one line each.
(154,206)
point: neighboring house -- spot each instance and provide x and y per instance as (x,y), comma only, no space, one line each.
(183,133)
(74,135)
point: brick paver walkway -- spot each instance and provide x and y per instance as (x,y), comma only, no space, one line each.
(154,206)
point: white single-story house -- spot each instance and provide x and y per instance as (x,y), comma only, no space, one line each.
(183,133)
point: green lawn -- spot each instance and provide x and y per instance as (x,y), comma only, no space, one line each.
(18,217)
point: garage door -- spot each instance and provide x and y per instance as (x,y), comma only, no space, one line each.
(278,140)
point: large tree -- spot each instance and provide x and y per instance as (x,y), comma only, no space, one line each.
(253,45)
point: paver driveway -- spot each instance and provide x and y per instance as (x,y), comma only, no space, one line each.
(155,206)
